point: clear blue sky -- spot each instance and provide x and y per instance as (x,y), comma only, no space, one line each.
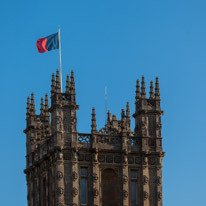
(109,43)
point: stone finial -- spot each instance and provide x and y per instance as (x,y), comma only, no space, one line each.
(137,90)
(127,111)
(46,103)
(53,85)
(72,83)
(143,93)
(157,89)
(151,90)
(123,115)
(109,117)
(67,84)
(93,125)
(32,104)
(128,116)
(28,107)
(42,107)
(58,84)
(114,117)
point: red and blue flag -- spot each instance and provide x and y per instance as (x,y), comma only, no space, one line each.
(48,43)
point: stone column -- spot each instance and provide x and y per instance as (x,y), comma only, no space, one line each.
(145,184)
(75,179)
(59,174)
(125,182)
(95,180)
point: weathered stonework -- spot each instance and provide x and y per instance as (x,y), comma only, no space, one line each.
(59,158)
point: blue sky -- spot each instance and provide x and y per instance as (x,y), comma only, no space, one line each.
(109,43)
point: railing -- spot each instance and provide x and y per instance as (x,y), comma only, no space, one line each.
(111,140)
(84,138)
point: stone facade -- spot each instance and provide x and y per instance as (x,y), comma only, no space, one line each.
(110,167)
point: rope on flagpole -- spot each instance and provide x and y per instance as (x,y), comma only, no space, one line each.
(60,63)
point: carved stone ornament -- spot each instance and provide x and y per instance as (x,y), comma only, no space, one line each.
(74,192)
(81,157)
(109,159)
(145,195)
(117,159)
(138,160)
(159,180)
(101,158)
(59,175)
(88,157)
(95,177)
(125,194)
(59,191)
(152,160)
(95,192)
(145,180)
(158,126)
(130,160)
(124,179)
(74,176)
(159,196)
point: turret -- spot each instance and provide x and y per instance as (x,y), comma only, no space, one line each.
(148,115)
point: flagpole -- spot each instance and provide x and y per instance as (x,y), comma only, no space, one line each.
(105,105)
(60,63)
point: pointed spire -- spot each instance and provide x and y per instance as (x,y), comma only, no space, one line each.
(32,104)
(58,85)
(151,90)
(67,84)
(28,107)
(53,85)
(157,92)
(42,107)
(93,125)
(137,90)
(143,93)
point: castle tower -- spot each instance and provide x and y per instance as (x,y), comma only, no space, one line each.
(113,166)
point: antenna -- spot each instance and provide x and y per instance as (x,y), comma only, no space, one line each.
(105,105)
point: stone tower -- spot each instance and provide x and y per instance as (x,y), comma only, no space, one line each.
(114,166)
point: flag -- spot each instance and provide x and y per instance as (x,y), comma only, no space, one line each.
(48,43)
